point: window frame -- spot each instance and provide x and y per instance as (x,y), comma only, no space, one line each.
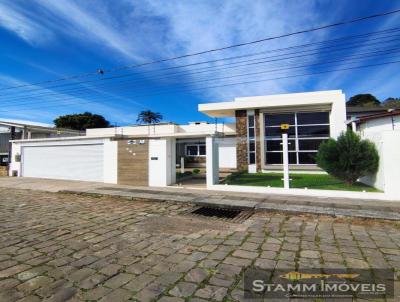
(198,150)
(294,139)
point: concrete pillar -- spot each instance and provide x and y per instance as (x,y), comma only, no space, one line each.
(212,164)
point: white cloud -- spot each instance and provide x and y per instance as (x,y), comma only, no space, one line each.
(18,20)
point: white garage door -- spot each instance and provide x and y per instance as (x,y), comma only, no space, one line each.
(75,162)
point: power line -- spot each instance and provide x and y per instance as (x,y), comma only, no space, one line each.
(238,83)
(346,22)
(213,69)
(352,37)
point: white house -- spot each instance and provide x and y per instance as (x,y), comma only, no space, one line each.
(383,129)
(148,155)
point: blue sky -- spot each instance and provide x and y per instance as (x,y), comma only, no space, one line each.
(46,39)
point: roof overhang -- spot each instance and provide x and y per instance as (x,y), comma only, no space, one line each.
(320,99)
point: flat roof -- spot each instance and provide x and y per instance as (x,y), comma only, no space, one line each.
(227,109)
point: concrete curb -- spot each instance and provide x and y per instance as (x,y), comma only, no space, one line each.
(255,205)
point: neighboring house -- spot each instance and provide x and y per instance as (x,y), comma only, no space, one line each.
(17,129)
(353,112)
(383,121)
(148,155)
(383,129)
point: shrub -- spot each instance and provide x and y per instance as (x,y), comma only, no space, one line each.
(348,158)
(196,171)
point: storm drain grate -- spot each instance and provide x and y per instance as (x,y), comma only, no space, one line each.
(233,215)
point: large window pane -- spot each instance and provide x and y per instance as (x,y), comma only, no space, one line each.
(276,132)
(309,144)
(202,149)
(277,119)
(307,157)
(275,145)
(252,146)
(251,132)
(191,150)
(276,158)
(313,131)
(251,120)
(252,158)
(313,118)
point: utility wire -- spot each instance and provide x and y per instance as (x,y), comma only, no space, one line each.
(247,63)
(345,22)
(229,77)
(141,73)
(242,83)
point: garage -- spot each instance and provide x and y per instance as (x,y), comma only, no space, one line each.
(66,161)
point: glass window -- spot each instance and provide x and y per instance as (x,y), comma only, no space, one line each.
(312,118)
(252,158)
(251,132)
(276,132)
(306,132)
(191,150)
(276,158)
(313,131)
(202,150)
(278,119)
(251,120)
(309,144)
(252,146)
(307,157)
(276,145)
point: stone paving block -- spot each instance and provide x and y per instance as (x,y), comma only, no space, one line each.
(96,293)
(13,270)
(245,254)
(212,293)
(80,274)
(117,295)
(119,280)
(183,289)
(33,284)
(196,275)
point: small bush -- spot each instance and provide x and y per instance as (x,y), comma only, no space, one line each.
(196,171)
(348,158)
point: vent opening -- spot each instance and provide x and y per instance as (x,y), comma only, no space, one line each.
(217,212)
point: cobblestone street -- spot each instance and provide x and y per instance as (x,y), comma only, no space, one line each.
(61,247)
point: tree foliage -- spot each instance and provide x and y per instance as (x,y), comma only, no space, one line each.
(149,117)
(348,158)
(391,103)
(81,121)
(363,100)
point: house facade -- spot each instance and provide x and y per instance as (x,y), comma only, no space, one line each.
(312,118)
(148,155)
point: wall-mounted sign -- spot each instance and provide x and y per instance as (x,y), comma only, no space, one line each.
(284,126)
(154,158)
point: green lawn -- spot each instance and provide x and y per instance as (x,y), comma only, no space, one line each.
(311,181)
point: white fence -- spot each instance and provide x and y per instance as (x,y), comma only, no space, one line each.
(387,178)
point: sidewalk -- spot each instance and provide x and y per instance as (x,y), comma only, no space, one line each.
(377,209)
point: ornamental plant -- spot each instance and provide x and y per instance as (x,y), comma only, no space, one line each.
(348,158)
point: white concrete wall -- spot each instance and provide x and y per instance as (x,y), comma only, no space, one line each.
(381,124)
(227,152)
(212,165)
(161,162)
(110,167)
(387,178)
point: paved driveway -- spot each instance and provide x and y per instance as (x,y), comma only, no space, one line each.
(60,247)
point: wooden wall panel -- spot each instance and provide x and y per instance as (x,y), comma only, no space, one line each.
(133,163)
